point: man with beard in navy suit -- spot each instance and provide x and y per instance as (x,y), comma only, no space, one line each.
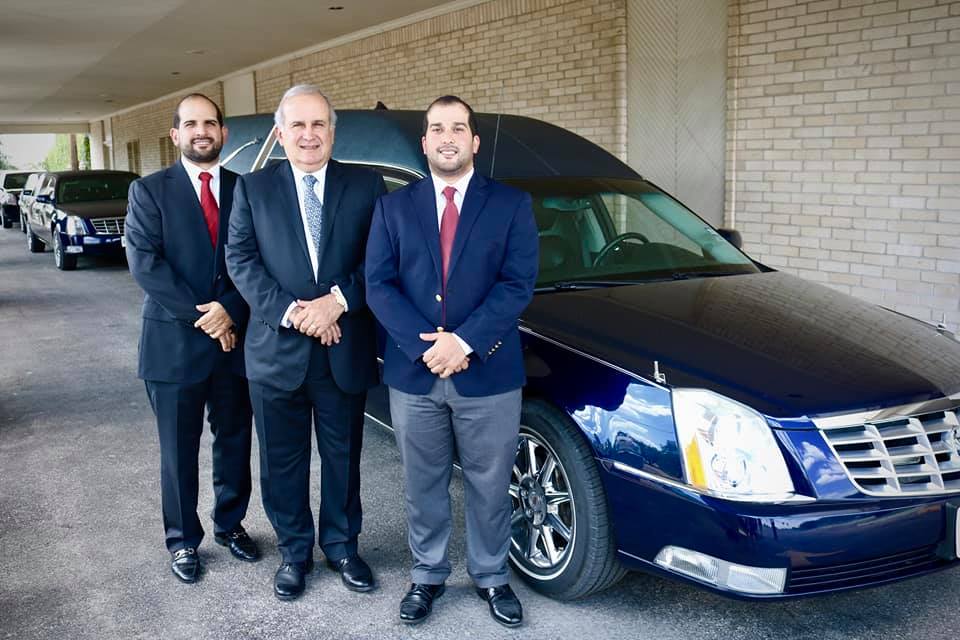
(191,354)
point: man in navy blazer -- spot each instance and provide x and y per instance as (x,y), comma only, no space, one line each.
(451,263)
(191,353)
(296,244)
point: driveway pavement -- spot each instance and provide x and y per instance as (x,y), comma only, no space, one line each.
(81,541)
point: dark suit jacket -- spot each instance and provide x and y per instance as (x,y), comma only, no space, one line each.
(267,258)
(172,259)
(492,272)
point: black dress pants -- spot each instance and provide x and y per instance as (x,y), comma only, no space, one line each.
(283,421)
(179,410)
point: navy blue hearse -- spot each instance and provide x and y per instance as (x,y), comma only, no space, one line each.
(78,213)
(689,411)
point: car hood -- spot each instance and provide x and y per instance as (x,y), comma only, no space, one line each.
(784,346)
(95,209)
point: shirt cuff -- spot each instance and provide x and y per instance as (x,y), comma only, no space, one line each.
(335,290)
(285,320)
(467,349)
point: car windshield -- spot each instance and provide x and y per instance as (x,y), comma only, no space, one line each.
(89,188)
(602,232)
(15,180)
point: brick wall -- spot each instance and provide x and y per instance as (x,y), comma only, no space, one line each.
(560,61)
(843,145)
(149,124)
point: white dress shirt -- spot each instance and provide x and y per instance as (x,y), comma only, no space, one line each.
(318,187)
(193,171)
(439,184)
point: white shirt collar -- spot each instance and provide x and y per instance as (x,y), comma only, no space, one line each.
(194,171)
(439,184)
(321,176)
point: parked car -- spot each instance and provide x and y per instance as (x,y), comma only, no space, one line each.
(11,184)
(688,410)
(79,213)
(25,200)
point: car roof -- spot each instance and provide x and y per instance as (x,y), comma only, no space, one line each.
(90,172)
(510,146)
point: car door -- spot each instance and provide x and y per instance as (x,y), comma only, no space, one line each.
(43,208)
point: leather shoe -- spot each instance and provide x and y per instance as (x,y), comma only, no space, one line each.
(240,544)
(418,603)
(185,564)
(504,605)
(354,573)
(290,579)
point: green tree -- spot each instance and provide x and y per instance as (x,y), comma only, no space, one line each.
(58,159)
(4,160)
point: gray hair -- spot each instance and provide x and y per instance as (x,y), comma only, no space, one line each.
(303,90)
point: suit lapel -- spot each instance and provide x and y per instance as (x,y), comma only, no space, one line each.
(473,202)
(333,188)
(192,220)
(425,207)
(290,205)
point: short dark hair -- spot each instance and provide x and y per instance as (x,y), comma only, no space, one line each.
(176,112)
(445,100)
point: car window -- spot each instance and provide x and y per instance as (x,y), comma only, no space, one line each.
(622,230)
(15,180)
(94,187)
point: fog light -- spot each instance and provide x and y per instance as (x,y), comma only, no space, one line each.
(720,573)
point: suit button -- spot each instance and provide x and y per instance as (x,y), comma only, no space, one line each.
(439,298)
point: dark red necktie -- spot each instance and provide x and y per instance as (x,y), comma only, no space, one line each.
(448,230)
(211,212)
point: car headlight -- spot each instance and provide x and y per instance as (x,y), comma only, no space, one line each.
(728,449)
(76,226)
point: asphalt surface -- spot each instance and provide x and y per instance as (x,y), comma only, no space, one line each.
(81,540)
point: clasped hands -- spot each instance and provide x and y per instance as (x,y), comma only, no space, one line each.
(317,318)
(446,357)
(217,324)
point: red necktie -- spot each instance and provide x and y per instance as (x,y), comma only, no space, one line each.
(448,230)
(211,212)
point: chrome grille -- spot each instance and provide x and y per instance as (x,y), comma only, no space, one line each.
(900,455)
(112,226)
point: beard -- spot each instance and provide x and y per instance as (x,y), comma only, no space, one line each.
(195,155)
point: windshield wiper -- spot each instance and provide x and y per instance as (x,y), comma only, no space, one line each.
(579,285)
(692,275)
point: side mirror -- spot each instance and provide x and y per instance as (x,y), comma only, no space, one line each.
(732,236)
(45,198)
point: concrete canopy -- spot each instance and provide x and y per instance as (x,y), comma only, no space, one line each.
(71,61)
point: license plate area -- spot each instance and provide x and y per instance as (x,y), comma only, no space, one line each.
(950,548)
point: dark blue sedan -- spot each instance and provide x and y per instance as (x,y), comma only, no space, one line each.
(689,411)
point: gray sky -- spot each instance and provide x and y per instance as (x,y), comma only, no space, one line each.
(25,150)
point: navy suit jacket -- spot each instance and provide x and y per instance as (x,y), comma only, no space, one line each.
(267,258)
(172,259)
(490,281)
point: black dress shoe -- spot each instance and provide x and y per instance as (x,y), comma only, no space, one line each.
(354,573)
(185,564)
(240,544)
(418,603)
(504,606)
(291,579)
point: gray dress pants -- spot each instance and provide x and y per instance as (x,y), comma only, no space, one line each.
(484,432)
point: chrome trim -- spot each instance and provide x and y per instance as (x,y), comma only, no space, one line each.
(107,226)
(557,343)
(854,419)
(239,149)
(265,150)
(792,498)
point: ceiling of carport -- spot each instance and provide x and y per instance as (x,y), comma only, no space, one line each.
(77,60)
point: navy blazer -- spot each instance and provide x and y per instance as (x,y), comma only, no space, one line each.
(492,272)
(172,259)
(267,258)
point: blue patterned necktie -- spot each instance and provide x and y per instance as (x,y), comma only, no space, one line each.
(314,211)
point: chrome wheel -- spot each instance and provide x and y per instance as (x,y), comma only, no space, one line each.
(57,251)
(543,522)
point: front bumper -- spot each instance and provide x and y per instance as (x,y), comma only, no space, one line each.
(92,245)
(825,545)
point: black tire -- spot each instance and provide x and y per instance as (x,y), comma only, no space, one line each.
(34,244)
(63,260)
(5,217)
(587,563)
